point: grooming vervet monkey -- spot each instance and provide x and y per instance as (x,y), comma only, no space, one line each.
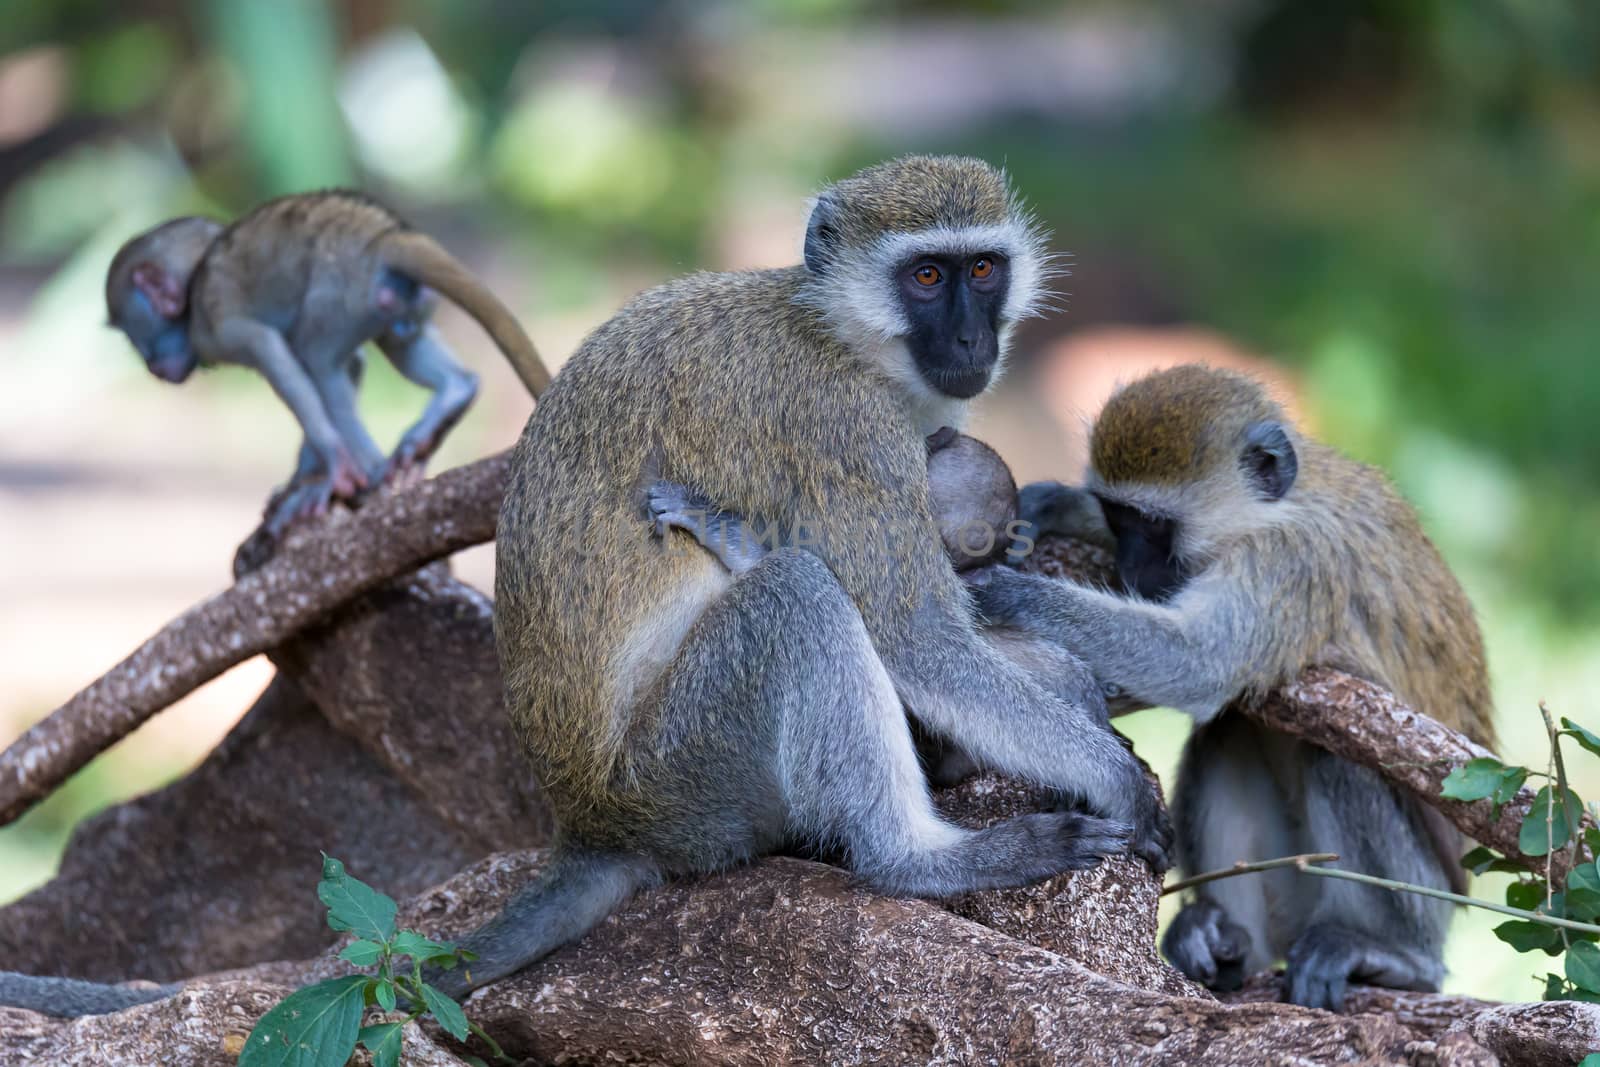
(1251,552)
(683,719)
(294,289)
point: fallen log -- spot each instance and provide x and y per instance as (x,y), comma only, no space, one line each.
(787,961)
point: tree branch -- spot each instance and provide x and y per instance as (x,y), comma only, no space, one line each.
(317,569)
(1367,724)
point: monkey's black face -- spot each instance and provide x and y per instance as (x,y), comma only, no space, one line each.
(162,342)
(953,304)
(1145,561)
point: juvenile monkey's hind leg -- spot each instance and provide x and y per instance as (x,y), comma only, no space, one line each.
(421,356)
(823,725)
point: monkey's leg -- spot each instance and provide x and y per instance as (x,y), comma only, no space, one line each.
(815,743)
(1362,933)
(1226,808)
(423,359)
(1057,672)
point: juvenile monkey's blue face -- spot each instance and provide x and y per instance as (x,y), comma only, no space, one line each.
(953,303)
(162,342)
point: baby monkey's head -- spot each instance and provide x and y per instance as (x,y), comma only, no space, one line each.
(973,497)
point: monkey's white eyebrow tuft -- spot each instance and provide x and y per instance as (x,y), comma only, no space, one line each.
(859,301)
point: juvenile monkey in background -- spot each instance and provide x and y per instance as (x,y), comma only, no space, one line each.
(1250,552)
(295,289)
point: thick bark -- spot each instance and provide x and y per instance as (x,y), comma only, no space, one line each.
(788,962)
(408,774)
(317,571)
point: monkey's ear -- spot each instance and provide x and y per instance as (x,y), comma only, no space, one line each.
(1269,459)
(822,235)
(161,289)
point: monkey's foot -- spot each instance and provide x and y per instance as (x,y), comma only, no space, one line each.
(1205,945)
(408,465)
(1326,958)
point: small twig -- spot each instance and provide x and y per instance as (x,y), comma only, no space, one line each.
(1251,868)
(1455,898)
(1303,863)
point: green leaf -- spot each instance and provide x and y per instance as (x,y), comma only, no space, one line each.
(1526,936)
(410,943)
(1584,876)
(362,953)
(1592,1059)
(1535,837)
(383,1041)
(1588,740)
(1555,986)
(354,905)
(312,1027)
(1473,780)
(385,995)
(1506,789)
(447,1011)
(1591,837)
(1525,895)
(1482,859)
(477,1061)
(1583,966)
(1583,904)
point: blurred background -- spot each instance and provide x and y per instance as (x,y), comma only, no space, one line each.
(1390,207)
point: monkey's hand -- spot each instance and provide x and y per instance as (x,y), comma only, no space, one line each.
(1205,945)
(1152,827)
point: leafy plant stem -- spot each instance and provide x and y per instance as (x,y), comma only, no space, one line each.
(1440,894)
(494,1046)
(1251,868)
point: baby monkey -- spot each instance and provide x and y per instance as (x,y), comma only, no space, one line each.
(295,289)
(1250,552)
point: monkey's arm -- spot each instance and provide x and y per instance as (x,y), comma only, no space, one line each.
(1195,653)
(258,345)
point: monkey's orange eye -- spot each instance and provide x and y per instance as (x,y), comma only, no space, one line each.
(982,268)
(928,274)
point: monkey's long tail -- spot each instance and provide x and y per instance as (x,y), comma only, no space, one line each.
(68,998)
(574,891)
(418,256)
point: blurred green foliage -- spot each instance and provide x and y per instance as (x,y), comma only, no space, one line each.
(1398,198)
